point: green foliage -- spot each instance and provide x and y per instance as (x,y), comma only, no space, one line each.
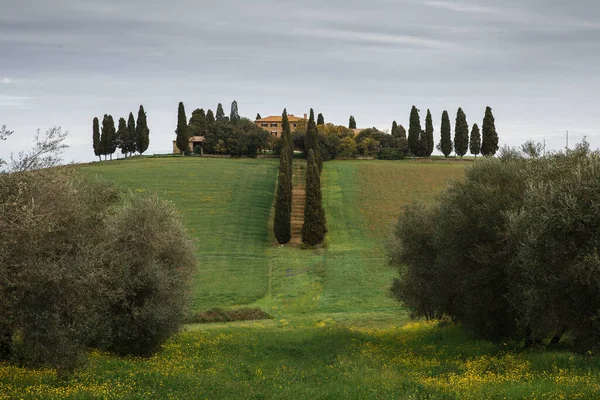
(352,122)
(461,134)
(151,261)
(109,135)
(130,143)
(122,133)
(532,149)
(311,140)
(475,141)
(258,117)
(220,115)
(142,132)
(428,142)
(96,138)
(283,204)
(398,131)
(234,116)
(198,124)
(210,120)
(414,133)
(182,131)
(489,141)
(391,154)
(445,145)
(314,228)
(320,119)
(347,147)
(369,146)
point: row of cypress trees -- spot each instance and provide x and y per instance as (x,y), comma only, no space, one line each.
(130,136)
(420,142)
(314,227)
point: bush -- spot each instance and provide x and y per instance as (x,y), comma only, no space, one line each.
(79,268)
(391,154)
(197,149)
(151,261)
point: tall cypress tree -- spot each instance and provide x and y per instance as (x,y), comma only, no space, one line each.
(108,137)
(258,116)
(311,140)
(131,142)
(489,142)
(220,116)
(414,132)
(461,134)
(314,228)
(283,202)
(96,138)
(446,145)
(234,116)
(320,119)
(352,122)
(287,145)
(428,145)
(183,137)
(210,120)
(122,136)
(475,141)
(142,133)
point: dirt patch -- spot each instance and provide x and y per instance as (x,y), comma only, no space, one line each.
(220,315)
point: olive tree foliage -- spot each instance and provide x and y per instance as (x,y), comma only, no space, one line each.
(4,134)
(511,251)
(82,265)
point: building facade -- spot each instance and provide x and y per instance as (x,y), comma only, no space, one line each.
(194,141)
(274,124)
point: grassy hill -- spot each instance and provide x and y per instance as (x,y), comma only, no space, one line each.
(335,332)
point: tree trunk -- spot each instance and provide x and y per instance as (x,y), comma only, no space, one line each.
(5,342)
(100,158)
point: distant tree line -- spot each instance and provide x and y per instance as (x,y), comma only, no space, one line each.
(222,134)
(511,252)
(130,137)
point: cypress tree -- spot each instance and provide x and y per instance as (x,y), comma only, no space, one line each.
(131,142)
(197,125)
(446,145)
(489,142)
(314,228)
(183,137)
(352,122)
(288,146)
(283,202)
(311,140)
(320,119)
(395,130)
(428,146)
(142,132)
(108,137)
(414,132)
(122,136)
(96,138)
(258,116)
(475,141)
(210,120)
(220,116)
(234,116)
(461,134)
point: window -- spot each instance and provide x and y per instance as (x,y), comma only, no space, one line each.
(295,125)
(273,133)
(273,125)
(264,125)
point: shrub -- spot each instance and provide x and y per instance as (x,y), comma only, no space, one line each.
(391,154)
(151,260)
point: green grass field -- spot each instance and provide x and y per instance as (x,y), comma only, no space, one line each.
(335,333)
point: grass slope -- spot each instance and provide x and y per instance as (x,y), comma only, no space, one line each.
(225,204)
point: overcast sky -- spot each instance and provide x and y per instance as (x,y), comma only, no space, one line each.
(535,62)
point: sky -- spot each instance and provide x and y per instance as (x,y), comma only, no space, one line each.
(535,62)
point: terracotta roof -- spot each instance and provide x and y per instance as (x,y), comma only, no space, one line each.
(197,139)
(291,118)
